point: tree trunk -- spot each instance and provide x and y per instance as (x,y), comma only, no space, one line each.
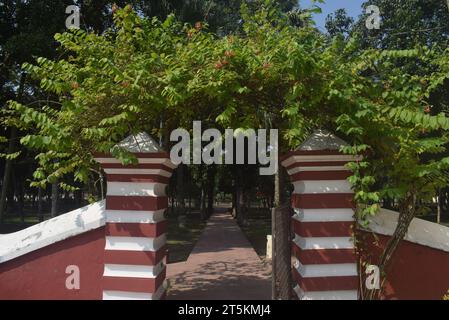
(102,187)
(439,207)
(21,199)
(78,196)
(443,201)
(203,210)
(234,200)
(54,199)
(172,205)
(7,173)
(278,233)
(190,202)
(11,149)
(241,210)
(40,212)
(278,198)
(180,190)
(274,294)
(203,194)
(407,210)
(239,190)
(277,194)
(210,190)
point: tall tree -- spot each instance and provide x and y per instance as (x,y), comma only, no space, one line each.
(339,23)
(405,23)
(27,31)
(408,25)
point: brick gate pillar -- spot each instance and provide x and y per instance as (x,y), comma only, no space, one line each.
(135,249)
(325,261)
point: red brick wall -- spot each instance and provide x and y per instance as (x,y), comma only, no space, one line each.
(417,271)
(41,274)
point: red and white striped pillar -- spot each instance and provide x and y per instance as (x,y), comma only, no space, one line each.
(325,265)
(135,249)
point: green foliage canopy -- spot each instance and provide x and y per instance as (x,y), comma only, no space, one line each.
(274,75)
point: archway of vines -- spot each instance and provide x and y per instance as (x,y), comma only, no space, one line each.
(155,76)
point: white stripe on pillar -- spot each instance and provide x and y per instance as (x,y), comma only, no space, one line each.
(322,186)
(132,216)
(132,271)
(324,242)
(135,243)
(319,158)
(136,189)
(156,172)
(325,168)
(127,295)
(326,295)
(323,215)
(326,270)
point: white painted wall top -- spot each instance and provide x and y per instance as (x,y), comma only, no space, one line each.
(51,231)
(420,231)
(140,143)
(92,217)
(321,140)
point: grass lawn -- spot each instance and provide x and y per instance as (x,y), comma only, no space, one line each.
(257,228)
(181,238)
(14,223)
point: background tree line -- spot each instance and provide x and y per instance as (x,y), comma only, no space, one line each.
(27,31)
(25,35)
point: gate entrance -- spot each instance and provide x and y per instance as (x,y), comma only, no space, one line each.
(119,246)
(324,261)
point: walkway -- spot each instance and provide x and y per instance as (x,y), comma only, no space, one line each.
(223,265)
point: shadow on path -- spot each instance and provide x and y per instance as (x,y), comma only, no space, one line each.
(223,265)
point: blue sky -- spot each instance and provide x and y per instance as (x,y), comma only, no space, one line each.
(353,8)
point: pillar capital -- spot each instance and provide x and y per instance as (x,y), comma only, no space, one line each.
(320,148)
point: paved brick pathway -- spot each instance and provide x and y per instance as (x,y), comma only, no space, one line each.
(223,265)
